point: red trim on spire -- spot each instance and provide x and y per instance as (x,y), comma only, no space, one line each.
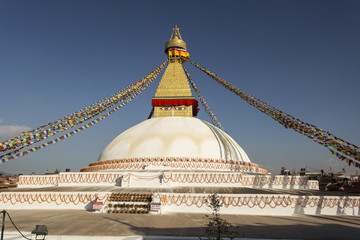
(173,102)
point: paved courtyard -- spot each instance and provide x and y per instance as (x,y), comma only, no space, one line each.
(79,222)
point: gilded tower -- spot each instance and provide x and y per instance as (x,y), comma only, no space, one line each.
(173,96)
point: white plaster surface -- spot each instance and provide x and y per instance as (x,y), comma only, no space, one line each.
(264,204)
(158,179)
(49,200)
(237,204)
(174,137)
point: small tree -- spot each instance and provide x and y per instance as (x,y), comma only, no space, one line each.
(216,228)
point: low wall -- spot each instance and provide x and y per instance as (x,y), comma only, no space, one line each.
(168,179)
(251,204)
(239,204)
(69,179)
(50,200)
(239,180)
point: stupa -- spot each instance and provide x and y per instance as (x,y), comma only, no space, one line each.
(174,139)
(172,162)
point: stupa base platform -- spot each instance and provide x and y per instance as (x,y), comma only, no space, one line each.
(167,179)
(167,192)
(236,201)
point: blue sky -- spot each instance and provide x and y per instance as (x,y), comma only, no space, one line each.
(300,56)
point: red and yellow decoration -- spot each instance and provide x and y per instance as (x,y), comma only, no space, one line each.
(177,52)
(261,202)
(178,101)
(174,162)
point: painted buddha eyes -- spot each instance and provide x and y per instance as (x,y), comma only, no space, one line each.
(169,108)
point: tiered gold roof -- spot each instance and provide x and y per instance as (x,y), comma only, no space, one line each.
(174,82)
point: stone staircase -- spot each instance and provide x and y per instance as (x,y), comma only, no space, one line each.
(131,203)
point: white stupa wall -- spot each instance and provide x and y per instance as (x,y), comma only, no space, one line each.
(263,204)
(243,204)
(50,200)
(165,180)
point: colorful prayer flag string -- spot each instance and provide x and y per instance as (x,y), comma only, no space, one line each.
(120,99)
(69,121)
(337,146)
(204,103)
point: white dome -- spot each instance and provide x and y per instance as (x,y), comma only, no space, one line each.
(174,137)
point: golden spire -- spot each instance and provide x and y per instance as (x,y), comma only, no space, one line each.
(173,96)
(176,33)
(175,40)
